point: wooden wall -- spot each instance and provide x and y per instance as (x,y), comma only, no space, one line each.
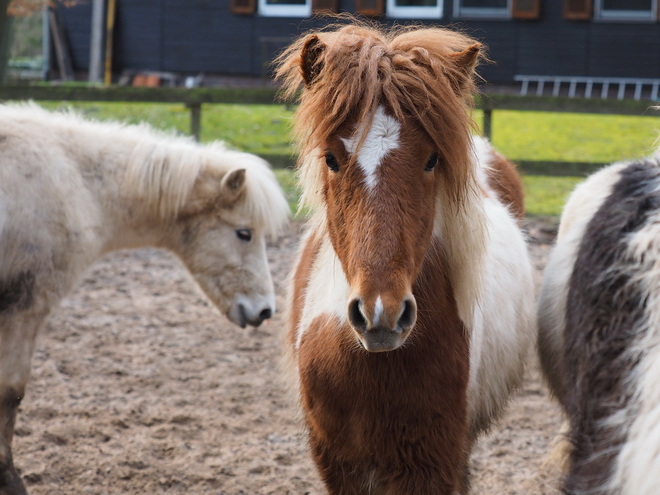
(193,36)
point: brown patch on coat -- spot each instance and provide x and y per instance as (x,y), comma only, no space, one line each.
(401,415)
(504,179)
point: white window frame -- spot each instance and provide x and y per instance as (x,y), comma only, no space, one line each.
(625,15)
(482,12)
(283,10)
(396,12)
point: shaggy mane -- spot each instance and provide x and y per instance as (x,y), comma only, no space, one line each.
(408,69)
(163,173)
(160,168)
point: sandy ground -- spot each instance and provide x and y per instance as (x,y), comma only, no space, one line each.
(140,386)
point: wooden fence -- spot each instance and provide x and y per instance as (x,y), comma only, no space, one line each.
(195,98)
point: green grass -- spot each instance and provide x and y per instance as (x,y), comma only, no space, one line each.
(572,137)
(265,129)
(545,195)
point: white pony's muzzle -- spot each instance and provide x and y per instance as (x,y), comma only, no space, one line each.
(251,311)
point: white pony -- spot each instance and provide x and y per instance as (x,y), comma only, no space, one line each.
(599,330)
(72,190)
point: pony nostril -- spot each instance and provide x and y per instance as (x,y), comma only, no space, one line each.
(408,314)
(265,314)
(356,317)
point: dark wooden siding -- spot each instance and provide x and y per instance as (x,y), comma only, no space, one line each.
(193,36)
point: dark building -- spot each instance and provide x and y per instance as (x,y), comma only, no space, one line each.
(589,38)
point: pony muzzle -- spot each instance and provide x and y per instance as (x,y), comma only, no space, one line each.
(244,312)
(382,327)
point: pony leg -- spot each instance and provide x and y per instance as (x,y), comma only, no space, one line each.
(17,341)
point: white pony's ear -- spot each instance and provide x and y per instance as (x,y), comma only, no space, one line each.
(232,186)
(213,190)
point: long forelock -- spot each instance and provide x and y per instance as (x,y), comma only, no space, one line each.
(404,70)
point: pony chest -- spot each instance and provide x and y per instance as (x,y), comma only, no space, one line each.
(326,293)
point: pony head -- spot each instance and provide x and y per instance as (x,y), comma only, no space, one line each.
(384,131)
(221,205)
(223,229)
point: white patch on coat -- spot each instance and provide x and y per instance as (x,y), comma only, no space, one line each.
(503,319)
(327,292)
(382,137)
(496,296)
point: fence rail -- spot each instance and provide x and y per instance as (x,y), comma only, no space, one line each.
(195,98)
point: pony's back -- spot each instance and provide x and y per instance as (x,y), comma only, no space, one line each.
(600,330)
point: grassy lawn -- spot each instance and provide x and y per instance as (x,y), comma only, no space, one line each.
(545,195)
(573,137)
(264,129)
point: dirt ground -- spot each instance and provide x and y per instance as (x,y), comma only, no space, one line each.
(139,386)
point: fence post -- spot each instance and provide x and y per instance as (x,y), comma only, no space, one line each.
(488,123)
(195,119)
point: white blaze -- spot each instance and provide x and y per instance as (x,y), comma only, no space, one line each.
(379,311)
(382,137)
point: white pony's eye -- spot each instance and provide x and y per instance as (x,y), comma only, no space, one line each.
(244,234)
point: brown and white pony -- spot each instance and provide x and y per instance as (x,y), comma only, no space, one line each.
(72,190)
(599,330)
(412,303)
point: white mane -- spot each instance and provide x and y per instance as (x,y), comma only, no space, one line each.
(160,168)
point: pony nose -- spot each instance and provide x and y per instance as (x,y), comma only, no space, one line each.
(265,314)
(256,319)
(364,321)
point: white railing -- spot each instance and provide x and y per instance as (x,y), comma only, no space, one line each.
(584,86)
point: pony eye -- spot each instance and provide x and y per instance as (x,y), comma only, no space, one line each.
(244,234)
(432,162)
(331,162)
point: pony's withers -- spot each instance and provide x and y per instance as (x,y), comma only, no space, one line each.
(413,264)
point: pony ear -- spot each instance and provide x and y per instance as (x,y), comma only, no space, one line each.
(231,186)
(465,63)
(310,65)
(212,189)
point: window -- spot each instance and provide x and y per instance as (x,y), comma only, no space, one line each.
(626,10)
(482,8)
(414,9)
(285,8)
